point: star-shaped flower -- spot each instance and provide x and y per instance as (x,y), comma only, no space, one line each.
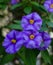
(13,42)
(48,4)
(32,39)
(31,22)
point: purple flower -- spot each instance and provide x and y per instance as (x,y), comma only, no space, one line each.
(49,5)
(31,22)
(46,40)
(13,41)
(31,39)
(14,2)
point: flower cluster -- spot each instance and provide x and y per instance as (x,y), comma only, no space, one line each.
(30,37)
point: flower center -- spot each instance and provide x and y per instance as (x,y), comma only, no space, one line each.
(31,21)
(13,41)
(51,6)
(32,36)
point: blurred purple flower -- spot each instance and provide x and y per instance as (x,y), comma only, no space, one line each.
(13,42)
(14,2)
(31,39)
(31,22)
(48,4)
(46,40)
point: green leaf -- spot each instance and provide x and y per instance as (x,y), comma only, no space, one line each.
(16,5)
(35,4)
(21,53)
(44,26)
(2,6)
(1,1)
(17,22)
(42,8)
(1,50)
(46,56)
(38,6)
(30,56)
(1,37)
(7,58)
(51,17)
(4,1)
(50,24)
(1,40)
(14,26)
(27,10)
(52,42)
(44,29)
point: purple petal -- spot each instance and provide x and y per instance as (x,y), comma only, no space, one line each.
(24,20)
(47,43)
(51,10)
(26,37)
(36,16)
(10,49)
(6,42)
(30,44)
(46,6)
(19,35)
(46,40)
(30,27)
(19,43)
(13,2)
(48,2)
(11,34)
(29,16)
(37,25)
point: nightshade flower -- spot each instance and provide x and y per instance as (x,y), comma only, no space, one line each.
(31,22)
(14,2)
(49,5)
(32,39)
(13,42)
(46,40)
